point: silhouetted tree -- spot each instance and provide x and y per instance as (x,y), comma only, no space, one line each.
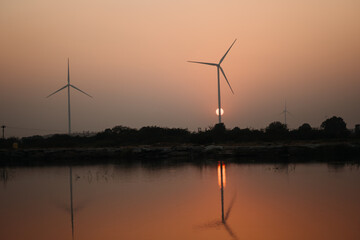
(305,128)
(357,130)
(234,134)
(246,134)
(201,137)
(218,132)
(334,127)
(277,130)
(33,141)
(122,136)
(219,128)
(122,129)
(8,142)
(305,131)
(108,131)
(236,130)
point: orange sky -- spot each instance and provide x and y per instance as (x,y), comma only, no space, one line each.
(131,56)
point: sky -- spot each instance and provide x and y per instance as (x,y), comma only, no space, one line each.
(131,56)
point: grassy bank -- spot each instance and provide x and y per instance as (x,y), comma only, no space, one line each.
(255,152)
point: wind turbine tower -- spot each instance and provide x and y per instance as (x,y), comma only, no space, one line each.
(68,85)
(71,204)
(219,68)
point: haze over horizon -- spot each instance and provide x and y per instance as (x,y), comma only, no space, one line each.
(131,56)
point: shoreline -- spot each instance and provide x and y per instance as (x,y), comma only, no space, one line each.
(293,152)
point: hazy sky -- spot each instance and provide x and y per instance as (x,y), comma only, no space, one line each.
(131,56)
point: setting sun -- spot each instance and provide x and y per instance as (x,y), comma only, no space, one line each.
(217,111)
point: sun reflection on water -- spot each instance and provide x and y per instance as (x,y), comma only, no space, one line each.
(223,174)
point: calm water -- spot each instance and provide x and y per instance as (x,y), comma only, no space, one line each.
(297,201)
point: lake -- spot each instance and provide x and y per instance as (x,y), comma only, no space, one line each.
(181,201)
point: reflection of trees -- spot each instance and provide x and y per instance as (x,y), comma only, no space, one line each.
(336,167)
(6,175)
(340,166)
(126,169)
(284,168)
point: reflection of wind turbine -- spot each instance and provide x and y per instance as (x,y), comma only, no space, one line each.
(72,209)
(71,205)
(219,68)
(68,86)
(224,216)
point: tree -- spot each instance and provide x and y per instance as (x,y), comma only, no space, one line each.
(121,129)
(357,129)
(334,127)
(305,131)
(277,129)
(305,128)
(218,132)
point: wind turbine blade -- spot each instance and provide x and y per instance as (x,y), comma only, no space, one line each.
(231,233)
(287,112)
(222,59)
(63,207)
(212,224)
(212,64)
(230,207)
(58,90)
(81,206)
(226,79)
(68,71)
(80,90)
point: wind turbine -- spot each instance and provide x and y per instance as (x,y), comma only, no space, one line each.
(68,85)
(72,208)
(285,112)
(219,68)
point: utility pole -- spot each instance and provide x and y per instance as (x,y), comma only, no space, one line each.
(3,131)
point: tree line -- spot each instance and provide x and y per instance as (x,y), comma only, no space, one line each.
(332,128)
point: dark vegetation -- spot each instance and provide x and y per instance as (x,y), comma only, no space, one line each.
(331,129)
